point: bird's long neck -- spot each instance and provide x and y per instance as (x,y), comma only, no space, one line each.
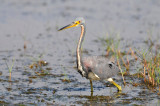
(79,57)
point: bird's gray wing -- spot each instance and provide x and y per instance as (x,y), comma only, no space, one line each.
(101,66)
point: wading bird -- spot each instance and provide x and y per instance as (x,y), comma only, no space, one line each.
(95,67)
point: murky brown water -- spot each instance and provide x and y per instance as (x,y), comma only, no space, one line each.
(35,24)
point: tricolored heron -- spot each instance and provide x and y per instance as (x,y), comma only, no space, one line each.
(95,67)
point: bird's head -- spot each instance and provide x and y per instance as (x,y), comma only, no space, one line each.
(78,21)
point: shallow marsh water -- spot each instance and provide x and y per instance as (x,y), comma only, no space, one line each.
(35,23)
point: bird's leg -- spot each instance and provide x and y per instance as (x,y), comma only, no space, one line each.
(118,86)
(114,83)
(91,86)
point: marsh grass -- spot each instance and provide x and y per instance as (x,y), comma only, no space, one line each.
(112,43)
(150,60)
(10,68)
(151,67)
(124,67)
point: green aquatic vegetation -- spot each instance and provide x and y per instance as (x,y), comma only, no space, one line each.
(112,43)
(10,68)
(151,66)
(150,60)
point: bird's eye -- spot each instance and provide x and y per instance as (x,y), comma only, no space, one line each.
(79,21)
(110,65)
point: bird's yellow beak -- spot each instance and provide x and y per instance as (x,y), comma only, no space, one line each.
(74,24)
